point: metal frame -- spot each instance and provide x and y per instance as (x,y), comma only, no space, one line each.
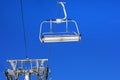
(39,69)
(59,38)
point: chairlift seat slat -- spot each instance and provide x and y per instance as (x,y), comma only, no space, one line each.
(65,38)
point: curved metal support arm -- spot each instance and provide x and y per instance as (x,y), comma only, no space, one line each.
(41,25)
(75,25)
(64,10)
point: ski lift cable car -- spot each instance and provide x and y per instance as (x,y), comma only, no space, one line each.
(66,36)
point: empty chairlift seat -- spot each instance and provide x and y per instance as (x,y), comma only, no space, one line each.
(66,36)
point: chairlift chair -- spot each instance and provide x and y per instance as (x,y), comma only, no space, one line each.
(67,36)
(39,69)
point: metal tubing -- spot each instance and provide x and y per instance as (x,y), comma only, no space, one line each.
(64,10)
(27,76)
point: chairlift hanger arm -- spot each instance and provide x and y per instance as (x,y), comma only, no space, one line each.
(64,10)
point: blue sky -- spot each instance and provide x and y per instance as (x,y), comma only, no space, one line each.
(95,57)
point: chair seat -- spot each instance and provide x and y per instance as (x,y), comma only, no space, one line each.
(60,37)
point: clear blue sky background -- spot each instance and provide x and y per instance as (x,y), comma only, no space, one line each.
(96,57)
